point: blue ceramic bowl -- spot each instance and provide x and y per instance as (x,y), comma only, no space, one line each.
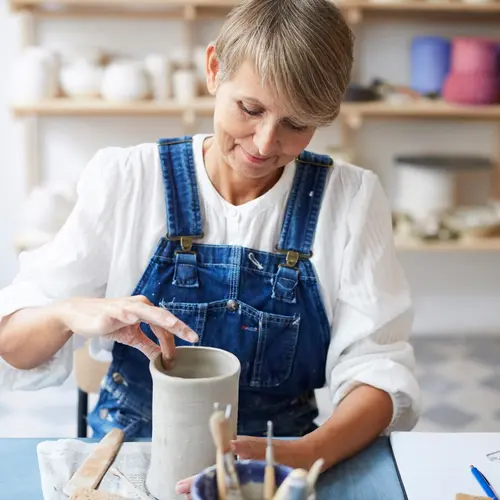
(249,471)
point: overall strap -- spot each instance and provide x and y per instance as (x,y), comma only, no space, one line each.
(183,205)
(301,218)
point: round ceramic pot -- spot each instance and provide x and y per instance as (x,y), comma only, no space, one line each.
(250,474)
(183,401)
(473,56)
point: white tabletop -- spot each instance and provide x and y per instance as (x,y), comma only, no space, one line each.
(437,465)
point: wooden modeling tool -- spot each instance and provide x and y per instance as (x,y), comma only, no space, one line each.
(462,496)
(269,473)
(296,476)
(91,472)
(297,487)
(313,474)
(219,464)
(91,494)
(227,478)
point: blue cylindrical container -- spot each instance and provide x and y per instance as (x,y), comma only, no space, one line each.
(251,476)
(430,63)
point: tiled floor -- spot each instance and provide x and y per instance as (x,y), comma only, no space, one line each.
(460,381)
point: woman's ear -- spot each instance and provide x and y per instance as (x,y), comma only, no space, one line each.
(212,69)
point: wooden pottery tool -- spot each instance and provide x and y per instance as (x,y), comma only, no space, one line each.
(313,474)
(269,473)
(463,496)
(297,475)
(225,469)
(91,472)
(91,494)
(215,419)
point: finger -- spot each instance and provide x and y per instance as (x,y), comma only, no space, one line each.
(184,487)
(167,345)
(249,448)
(161,317)
(135,337)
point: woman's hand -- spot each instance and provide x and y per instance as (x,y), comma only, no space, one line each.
(119,320)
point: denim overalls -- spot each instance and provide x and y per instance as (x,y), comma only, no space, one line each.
(263,307)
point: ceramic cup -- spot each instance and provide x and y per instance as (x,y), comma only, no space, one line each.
(251,476)
(183,399)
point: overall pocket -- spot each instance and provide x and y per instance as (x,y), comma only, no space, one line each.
(192,314)
(265,343)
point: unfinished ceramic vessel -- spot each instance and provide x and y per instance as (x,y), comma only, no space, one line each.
(183,399)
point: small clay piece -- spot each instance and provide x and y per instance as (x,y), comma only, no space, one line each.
(183,399)
(90,494)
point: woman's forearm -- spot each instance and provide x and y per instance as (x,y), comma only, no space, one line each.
(31,336)
(360,418)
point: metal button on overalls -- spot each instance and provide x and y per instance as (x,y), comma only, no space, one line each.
(232,305)
(118,378)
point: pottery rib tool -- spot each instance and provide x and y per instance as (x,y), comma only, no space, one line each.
(91,472)
(269,473)
(91,494)
(296,475)
(313,474)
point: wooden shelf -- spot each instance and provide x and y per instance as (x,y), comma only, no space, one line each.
(465,245)
(355,10)
(354,113)
(204,106)
(100,107)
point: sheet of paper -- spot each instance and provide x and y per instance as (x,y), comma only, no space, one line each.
(58,461)
(437,465)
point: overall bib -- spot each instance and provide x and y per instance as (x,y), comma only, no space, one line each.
(263,307)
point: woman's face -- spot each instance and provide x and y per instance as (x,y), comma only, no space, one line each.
(254,132)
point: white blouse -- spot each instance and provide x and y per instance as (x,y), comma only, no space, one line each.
(107,241)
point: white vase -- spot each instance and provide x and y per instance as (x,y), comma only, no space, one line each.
(185,85)
(35,76)
(125,80)
(159,69)
(183,400)
(82,79)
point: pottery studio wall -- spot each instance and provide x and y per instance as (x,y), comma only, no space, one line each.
(454,293)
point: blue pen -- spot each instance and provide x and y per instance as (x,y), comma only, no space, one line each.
(484,483)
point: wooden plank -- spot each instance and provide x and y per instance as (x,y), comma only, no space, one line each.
(421,109)
(465,245)
(217,7)
(204,106)
(100,107)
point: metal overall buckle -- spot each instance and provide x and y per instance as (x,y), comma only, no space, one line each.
(292,257)
(186,242)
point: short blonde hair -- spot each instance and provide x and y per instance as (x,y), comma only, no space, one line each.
(302,51)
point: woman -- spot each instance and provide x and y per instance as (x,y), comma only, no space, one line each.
(279,255)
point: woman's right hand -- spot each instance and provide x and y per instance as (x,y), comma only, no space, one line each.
(119,320)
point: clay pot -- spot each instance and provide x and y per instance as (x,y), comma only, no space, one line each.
(473,55)
(471,89)
(183,400)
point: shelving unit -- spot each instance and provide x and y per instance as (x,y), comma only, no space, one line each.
(352,114)
(204,106)
(355,10)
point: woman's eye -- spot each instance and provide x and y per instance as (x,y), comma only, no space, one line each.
(298,128)
(251,112)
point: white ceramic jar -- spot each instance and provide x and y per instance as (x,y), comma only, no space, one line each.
(82,79)
(185,85)
(159,68)
(125,80)
(35,75)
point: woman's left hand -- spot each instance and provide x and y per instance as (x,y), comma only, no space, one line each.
(286,452)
